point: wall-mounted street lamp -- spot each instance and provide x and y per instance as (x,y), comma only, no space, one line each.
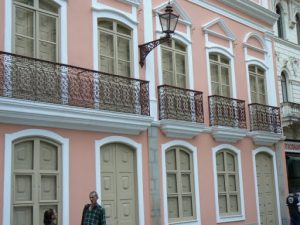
(168,22)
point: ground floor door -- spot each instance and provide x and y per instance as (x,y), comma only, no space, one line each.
(266,189)
(36,180)
(118,184)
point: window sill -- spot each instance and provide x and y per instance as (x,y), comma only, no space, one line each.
(225,219)
(188,222)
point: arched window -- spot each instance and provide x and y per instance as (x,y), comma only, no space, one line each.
(228,183)
(174,63)
(257,84)
(220,74)
(115,48)
(279,21)
(298,27)
(36,180)
(180,184)
(284,87)
(35,30)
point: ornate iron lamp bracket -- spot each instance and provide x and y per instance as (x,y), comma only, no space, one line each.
(146,48)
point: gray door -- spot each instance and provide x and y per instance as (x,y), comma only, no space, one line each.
(266,189)
(118,184)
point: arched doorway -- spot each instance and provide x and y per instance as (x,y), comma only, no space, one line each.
(119,184)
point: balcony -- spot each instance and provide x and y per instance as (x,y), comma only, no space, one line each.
(33,82)
(291,113)
(227,117)
(180,111)
(265,123)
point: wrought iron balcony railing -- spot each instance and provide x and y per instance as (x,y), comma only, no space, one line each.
(265,118)
(37,80)
(180,104)
(227,112)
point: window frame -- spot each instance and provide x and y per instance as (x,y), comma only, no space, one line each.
(257,76)
(284,87)
(178,172)
(37,13)
(174,52)
(194,151)
(232,217)
(115,35)
(220,65)
(280,21)
(297,20)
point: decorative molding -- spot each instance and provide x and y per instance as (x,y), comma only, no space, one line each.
(228,134)
(247,22)
(131,2)
(181,129)
(183,16)
(229,34)
(265,138)
(253,9)
(51,115)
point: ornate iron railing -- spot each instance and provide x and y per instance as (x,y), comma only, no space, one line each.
(265,118)
(227,112)
(37,80)
(180,104)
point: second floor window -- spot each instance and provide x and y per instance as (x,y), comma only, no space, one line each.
(279,22)
(35,30)
(174,64)
(257,84)
(115,48)
(220,74)
(298,27)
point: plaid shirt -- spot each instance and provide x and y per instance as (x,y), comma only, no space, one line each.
(94,217)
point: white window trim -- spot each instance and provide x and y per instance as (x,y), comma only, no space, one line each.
(9,139)
(272,153)
(63,46)
(103,11)
(230,56)
(139,167)
(235,150)
(193,149)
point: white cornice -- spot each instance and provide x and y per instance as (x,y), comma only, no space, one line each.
(60,116)
(182,129)
(217,9)
(253,9)
(286,43)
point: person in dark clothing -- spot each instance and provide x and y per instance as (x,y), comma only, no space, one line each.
(293,203)
(93,214)
(50,217)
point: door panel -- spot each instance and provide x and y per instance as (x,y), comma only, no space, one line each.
(35,180)
(266,189)
(118,184)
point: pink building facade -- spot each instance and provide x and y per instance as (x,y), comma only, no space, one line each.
(193,137)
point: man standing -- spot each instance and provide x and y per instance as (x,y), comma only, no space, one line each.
(93,214)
